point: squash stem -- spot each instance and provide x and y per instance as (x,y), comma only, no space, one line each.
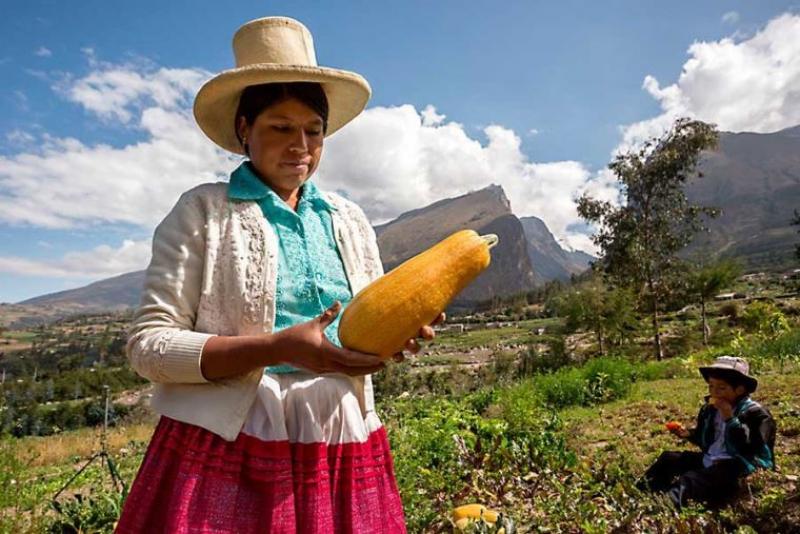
(491,239)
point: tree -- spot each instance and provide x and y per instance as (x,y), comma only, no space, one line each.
(708,280)
(594,306)
(639,239)
(796,222)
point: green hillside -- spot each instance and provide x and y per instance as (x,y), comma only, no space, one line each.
(520,415)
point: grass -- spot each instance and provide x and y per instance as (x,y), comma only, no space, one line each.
(32,470)
(629,434)
(570,471)
(559,452)
(489,337)
(68,447)
(20,335)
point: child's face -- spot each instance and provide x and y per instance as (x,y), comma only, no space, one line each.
(720,389)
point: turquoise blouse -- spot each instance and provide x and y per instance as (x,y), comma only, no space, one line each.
(311,276)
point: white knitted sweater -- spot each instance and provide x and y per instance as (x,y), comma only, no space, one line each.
(213,272)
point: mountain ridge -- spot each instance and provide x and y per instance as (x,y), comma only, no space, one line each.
(753,177)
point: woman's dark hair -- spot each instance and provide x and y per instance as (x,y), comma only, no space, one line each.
(257,98)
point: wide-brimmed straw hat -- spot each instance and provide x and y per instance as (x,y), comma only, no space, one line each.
(267,50)
(732,364)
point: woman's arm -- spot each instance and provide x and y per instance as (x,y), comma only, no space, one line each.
(304,345)
(162,344)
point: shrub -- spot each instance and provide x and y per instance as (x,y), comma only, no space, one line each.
(504,364)
(781,349)
(563,388)
(393,380)
(96,512)
(731,310)
(685,341)
(599,380)
(607,379)
(764,318)
(665,369)
(480,400)
(536,361)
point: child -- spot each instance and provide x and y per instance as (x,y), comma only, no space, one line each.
(735,433)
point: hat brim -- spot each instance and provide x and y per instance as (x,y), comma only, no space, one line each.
(750,383)
(217,101)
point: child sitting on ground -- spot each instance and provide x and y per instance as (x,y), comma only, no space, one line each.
(735,434)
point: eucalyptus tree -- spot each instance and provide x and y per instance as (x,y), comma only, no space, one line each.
(640,237)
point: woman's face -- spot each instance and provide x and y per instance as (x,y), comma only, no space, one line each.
(285,144)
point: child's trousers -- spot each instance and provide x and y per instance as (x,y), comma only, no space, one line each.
(713,486)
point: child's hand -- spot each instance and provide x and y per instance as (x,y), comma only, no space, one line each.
(677,429)
(725,408)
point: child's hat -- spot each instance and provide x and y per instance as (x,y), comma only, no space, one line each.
(732,364)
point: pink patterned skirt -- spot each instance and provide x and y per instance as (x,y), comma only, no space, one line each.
(308,459)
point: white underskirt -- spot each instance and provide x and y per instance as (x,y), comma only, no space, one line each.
(304,407)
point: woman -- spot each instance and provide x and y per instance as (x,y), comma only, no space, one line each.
(268,425)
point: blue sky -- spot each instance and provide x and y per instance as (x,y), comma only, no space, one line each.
(532,95)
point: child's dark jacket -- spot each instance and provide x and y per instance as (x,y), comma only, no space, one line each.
(749,434)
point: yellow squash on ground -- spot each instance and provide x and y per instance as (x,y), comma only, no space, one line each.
(470,513)
(475,511)
(392,309)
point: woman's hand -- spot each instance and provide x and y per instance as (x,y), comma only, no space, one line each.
(305,345)
(426,332)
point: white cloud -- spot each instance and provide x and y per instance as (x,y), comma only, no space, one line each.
(43,52)
(430,117)
(731,17)
(391,160)
(533,131)
(38,74)
(740,85)
(21,100)
(118,92)
(19,137)
(100,262)
(89,54)
(137,183)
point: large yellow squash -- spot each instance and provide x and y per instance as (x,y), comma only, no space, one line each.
(392,309)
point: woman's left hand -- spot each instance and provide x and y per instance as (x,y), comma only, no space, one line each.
(426,332)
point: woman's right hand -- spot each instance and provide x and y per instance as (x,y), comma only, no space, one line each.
(305,345)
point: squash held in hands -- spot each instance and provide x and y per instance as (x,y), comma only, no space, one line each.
(392,309)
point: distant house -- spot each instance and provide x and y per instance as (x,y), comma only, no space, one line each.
(792,275)
(725,296)
(455,327)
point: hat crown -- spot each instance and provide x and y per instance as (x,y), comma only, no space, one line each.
(732,362)
(274,40)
